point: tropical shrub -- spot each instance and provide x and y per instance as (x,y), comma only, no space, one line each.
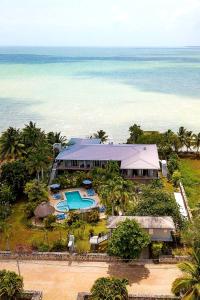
(128,240)
(36,191)
(156,249)
(15,174)
(176,177)
(49,221)
(59,245)
(11,285)
(157,202)
(191,234)
(109,289)
(72,217)
(92,216)
(173,164)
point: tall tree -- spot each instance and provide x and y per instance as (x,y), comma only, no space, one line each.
(101,134)
(128,240)
(188,140)
(196,142)
(56,137)
(135,133)
(32,135)
(188,286)
(181,135)
(11,146)
(39,159)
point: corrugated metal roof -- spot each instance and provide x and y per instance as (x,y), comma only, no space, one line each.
(146,222)
(131,156)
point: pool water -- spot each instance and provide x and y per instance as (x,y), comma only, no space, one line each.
(74,201)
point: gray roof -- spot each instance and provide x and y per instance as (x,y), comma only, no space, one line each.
(132,156)
(146,222)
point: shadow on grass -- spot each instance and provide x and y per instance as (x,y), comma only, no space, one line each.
(134,274)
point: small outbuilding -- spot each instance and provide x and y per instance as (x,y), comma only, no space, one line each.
(159,228)
(43,210)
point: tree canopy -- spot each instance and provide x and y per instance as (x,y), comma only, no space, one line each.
(157,202)
(106,288)
(128,240)
(11,285)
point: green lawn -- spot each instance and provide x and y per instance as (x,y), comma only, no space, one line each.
(21,234)
(190,171)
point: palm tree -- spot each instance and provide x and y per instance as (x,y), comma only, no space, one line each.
(11,146)
(32,135)
(38,160)
(196,141)
(188,140)
(101,134)
(188,286)
(56,137)
(181,135)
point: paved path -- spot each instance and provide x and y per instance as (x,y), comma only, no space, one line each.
(63,280)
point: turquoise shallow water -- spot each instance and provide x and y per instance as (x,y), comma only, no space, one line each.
(80,90)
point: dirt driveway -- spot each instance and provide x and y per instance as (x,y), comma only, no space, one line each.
(63,280)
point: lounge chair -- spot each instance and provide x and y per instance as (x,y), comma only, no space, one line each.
(90,192)
(60,217)
(56,197)
(102,209)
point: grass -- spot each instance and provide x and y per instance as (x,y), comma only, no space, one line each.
(190,171)
(21,234)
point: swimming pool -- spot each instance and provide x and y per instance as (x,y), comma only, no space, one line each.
(74,201)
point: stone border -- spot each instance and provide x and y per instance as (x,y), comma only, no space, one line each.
(92,257)
(86,296)
(34,295)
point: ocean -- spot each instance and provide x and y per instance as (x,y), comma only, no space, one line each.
(80,90)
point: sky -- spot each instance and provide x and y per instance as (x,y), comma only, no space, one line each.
(132,23)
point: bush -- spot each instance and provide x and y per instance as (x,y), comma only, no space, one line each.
(92,216)
(59,245)
(48,221)
(109,289)
(156,249)
(29,209)
(42,247)
(11,285)
(72,217)
(173,164)
(176,177)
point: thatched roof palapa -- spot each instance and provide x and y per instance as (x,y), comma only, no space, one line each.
(43,210)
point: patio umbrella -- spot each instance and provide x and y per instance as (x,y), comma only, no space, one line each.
(55,186)
(87,181)
(43,210)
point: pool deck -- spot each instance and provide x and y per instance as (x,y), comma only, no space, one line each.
(82,192)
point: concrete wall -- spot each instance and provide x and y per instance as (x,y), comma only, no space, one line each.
(99,257)
(86,296)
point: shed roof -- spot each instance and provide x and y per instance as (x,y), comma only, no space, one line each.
(146,222)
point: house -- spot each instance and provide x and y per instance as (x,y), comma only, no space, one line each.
(159,228)
(135,161)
